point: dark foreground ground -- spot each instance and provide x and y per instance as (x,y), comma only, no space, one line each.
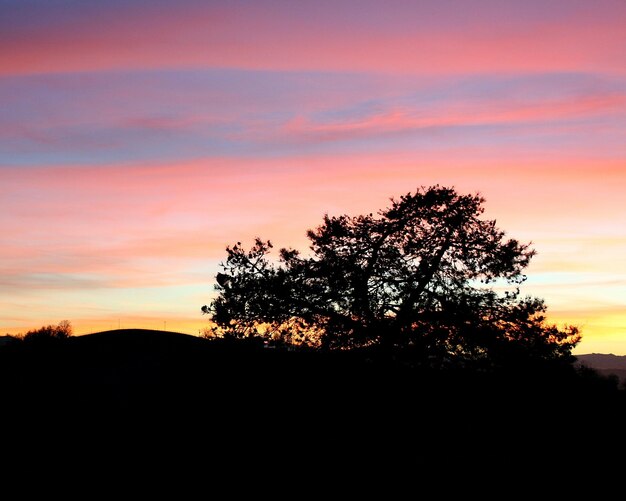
(126,372)
(153,397)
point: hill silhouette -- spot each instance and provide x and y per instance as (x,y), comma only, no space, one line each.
(160,398)
(138,370)
(607,364)
(161,372)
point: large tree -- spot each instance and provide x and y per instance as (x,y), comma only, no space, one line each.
(427,278)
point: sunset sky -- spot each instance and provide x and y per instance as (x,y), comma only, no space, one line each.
(139,138)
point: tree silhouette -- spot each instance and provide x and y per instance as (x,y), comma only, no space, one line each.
(426,279)
(49,333)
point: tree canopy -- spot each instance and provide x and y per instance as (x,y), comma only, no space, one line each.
(428,279)
(49,333)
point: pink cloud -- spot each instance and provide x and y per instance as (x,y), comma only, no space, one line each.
(260,38)
(453,113)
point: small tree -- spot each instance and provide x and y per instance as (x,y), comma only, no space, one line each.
(427,279)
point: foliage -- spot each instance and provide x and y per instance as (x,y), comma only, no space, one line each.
(426,279)
(48,333)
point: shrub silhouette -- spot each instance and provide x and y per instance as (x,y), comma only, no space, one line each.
(427,281)
(49,334)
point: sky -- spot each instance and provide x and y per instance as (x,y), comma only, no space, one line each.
(139,138)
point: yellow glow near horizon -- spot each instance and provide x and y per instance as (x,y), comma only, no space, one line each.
(137,142)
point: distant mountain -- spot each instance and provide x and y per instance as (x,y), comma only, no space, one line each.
(603,360)
(605,363)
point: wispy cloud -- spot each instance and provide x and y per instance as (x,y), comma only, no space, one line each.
(443,37)
(198,114)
